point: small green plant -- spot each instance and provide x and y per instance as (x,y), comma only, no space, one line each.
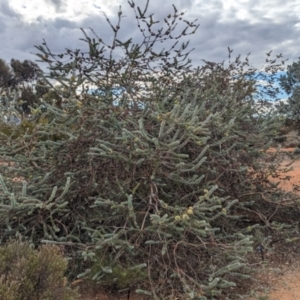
(265,297)
(14,131)
(33,274)
(113,274)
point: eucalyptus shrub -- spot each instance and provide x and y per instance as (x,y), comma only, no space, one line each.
(162,178)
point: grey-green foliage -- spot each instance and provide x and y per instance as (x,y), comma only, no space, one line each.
(160,187)
(291,84)
(9,99)
(17,103)
(144,185)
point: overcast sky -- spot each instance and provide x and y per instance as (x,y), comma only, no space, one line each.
(255,26)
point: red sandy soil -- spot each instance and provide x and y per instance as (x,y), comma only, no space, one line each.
(294,173)
(286,285)
(281,286)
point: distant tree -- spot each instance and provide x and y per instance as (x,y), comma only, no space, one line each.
(18,73)
(21,85)
(24,72)
(291,85)
(5,74)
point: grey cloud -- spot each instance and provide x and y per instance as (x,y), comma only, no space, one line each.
(6,11)
(58,4)
(210,41)
(63,23)
(2,26)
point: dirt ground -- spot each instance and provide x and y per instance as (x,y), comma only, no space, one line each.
(283,284)
(287,287)
(294,173)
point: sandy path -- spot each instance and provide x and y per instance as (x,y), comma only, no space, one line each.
(287,285)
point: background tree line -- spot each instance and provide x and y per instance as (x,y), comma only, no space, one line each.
(26,79)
